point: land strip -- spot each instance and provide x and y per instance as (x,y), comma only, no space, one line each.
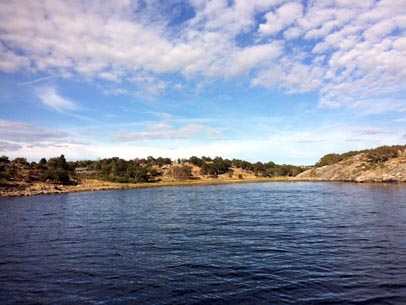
(92,185)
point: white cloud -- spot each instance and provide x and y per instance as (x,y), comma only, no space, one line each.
(253,57)
(378,106)
(108,76)
(272,143)
(6,146)
(17,138)
(28,133)
(181,150)
(11,62)
(34,141)
(52,99)
(281,18)
(292,33)
(164,131)
(294,77)
(147,85)
(345,50)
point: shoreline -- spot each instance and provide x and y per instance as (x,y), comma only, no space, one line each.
(93,185)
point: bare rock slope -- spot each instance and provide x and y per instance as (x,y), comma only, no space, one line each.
(359,169)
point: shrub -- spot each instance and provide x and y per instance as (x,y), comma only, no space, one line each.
(382,154)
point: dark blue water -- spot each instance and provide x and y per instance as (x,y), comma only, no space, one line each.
(271,243)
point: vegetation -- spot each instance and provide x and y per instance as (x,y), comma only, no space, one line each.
(218,166)
(182,172)
(55,170)
(59,171)
(376,155)
(384,153)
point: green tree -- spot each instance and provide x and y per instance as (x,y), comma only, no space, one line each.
(181,172)
(196,161)
(57,171)
(222,165)
(4,160)
(329,159)
(21,161)
(382,154)
(162,161)
(209,169)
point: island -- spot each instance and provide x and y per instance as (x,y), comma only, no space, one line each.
(19,177)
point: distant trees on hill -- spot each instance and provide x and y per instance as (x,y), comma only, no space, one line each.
(58,170)
(384,153)
(55,170)
(376,155)
(218,166)
(180,172)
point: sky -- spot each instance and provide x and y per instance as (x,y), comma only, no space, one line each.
(259,80)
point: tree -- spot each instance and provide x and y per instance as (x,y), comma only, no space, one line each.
(258,168)
(4,160)
(3,163)
(196,161)
(241,164)
(329,159)
(222,165)
(21,161)
(382,154)
(209,169)
(163,161)
(181,172)
(57,171)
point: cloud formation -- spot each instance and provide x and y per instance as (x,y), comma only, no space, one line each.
(18,136)
(28,133)
(344,50)
(35,141)
(164,131)
(52,99)
(281,18)
(9,147)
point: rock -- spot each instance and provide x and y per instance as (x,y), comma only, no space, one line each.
(359,169)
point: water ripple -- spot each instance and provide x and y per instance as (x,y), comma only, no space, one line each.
(277,243)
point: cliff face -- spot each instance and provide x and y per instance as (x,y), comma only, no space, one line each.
(359,169)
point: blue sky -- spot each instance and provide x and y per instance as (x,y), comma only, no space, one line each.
(260,80)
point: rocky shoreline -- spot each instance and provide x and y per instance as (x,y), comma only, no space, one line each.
(359,169)
(97,185)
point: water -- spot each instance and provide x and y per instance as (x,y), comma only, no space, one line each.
(268,243)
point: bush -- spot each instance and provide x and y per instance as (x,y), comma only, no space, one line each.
(382,154)
(181,172)
(329,159)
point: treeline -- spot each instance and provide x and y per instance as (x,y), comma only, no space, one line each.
(54,170)
(145,169)
(376,155)
(123,171)
(58,170)
(218,166)
(151,169)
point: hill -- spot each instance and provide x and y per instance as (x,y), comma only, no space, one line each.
(382,164)
(19,177)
